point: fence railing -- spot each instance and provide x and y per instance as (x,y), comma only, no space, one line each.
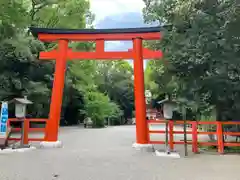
(27,129)
(194,132)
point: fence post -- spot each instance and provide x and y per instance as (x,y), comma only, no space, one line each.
(26,131)
(194,137)
(148,129)
(220,138)
(171,137)
(8,123)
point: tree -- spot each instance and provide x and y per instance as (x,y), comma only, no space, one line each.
(99,107)
(23,74)
(202,50)
(116,79)
(18,58)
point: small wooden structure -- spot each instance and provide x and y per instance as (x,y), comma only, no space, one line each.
(88,122)
(20,113)
(20,106)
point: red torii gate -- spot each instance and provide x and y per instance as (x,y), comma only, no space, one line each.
(64,53)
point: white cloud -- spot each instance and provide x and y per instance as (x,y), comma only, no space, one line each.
(104,8)
(116,9)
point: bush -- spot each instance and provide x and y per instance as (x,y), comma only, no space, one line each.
(99,107)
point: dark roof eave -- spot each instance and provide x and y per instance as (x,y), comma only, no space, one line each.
(35,30)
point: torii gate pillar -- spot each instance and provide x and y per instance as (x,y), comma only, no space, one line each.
(140,105)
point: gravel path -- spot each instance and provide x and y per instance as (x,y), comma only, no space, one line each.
(106,154)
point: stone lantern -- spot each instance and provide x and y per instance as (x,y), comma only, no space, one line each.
(168,108)
(20,113)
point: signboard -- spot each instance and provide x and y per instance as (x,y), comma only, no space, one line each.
(148,94)
(3,119)
(167,110)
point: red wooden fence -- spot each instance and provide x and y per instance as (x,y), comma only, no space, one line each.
(195,132)
(27,129)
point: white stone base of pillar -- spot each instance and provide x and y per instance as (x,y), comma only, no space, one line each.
(143,147)
(49,144)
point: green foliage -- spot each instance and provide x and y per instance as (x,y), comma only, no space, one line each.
(97,104)
(13,17)
(23,74)
(159,80)
(59,13)
(99,107)
(115,79)
(202,48)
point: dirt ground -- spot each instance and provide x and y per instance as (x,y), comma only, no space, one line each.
(107,154)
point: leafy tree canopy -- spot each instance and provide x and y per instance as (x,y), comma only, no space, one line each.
(87,93)
(201,46)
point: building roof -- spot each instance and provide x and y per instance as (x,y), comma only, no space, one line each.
(22,101)
(166,100)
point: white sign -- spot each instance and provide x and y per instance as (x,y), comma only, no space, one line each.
(148,94)
(167,111)
(3,119)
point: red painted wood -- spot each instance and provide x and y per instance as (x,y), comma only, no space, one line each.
(94,37)
(140,106)
(220,138)
(57,93)
(171,135)
(100,55)
(194,137)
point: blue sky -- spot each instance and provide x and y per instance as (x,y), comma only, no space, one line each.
(118,14)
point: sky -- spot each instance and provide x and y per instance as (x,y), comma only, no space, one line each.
(118,14)
(106,8)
